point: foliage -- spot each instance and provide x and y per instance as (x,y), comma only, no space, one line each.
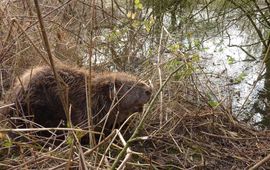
(240,78)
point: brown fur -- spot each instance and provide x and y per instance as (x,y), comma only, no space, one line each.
(37,97)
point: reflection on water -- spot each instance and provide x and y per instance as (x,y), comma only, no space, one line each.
(233,73)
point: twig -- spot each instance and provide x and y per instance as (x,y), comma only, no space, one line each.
(2,83)
(248,15)
(115,132)
(71,152)
(45,129)
(90,122)
(45,39)
(61,85)
(260,163)
(8,105)
(265,58)
(160,77)
(83,162)
(30,40)
(107,149)
(129,153)
(111,137)
(100,143)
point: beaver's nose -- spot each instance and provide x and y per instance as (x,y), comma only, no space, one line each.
(148,92)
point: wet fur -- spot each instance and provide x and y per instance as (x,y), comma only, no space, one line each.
(37,97)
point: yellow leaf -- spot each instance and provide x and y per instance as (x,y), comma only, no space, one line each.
(133,15)
(129,14)
(3,136)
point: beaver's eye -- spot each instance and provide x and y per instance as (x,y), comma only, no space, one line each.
(148,92)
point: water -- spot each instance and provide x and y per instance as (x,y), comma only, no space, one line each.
(232,73)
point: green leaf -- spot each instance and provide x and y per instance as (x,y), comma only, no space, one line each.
(113,36)
(80,134)
(197,44)
(70,140)
(230,59)
(138,4)
(174,48)
(196,58)
(7,143)
(213,103)
(148,24)
(220,49)
(240,78)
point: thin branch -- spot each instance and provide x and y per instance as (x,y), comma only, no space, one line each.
(260,163)
(60,84)
(251,21)
(160,77)
(45,129)
(129,153)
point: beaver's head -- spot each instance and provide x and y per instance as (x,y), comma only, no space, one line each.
(127,94)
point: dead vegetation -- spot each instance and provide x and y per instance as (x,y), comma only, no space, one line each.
(179,130)
(191,137)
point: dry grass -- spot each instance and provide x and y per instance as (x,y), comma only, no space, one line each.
(192,137)
(181,131)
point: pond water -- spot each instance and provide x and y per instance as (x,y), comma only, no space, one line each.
(231,69)
(230,73)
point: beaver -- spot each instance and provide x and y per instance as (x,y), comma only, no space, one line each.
(113,94)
